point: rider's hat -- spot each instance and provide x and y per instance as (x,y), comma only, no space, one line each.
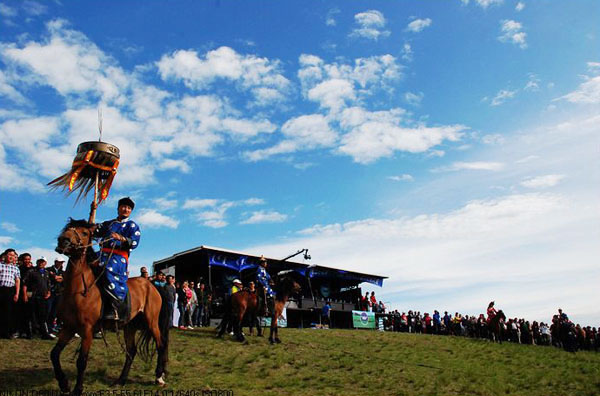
(127,201)
(237,281)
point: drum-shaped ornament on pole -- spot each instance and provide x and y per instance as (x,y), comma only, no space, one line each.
(96,163)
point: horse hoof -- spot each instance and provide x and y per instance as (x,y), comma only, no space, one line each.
(160,381)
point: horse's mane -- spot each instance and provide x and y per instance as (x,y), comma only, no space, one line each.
(72,223)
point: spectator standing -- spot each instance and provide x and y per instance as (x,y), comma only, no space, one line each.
(181,303)
(373,302)
(447,320)
(144,272)
(202,295)
(38,283)
(436,322)
(193,306)
(56,273)
(25,307)
(10,282)
(326,314)
(171,296)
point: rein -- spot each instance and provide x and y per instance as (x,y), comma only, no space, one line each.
(84,247)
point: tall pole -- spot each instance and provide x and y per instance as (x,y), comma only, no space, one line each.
(94,204)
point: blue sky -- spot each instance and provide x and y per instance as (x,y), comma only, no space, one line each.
(452,146)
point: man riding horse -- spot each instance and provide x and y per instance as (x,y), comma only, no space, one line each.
(265,282)
(118,237)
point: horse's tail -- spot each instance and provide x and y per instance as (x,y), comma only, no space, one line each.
(145,342)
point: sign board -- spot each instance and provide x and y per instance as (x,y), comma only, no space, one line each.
(363,319)
(281,322)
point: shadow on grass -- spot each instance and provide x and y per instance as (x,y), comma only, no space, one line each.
(27,378)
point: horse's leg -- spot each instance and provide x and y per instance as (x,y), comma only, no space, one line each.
(222,326)
(259,329)
(130,352)
(82,360)
(237,325)
(152,319)
(65,335)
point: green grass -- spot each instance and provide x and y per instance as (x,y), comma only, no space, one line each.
(322,362)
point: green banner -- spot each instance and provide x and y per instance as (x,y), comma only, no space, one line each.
(363,319)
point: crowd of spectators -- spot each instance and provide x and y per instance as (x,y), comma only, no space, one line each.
(369,303)
(193,300)
(560,332)
(29,295)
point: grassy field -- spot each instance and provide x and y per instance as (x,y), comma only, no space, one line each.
(322,362)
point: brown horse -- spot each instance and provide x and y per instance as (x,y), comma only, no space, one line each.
(496,327)
(285,286)
(243,304)
(81,305)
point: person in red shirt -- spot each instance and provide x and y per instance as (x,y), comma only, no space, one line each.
(373,302)
(491,312)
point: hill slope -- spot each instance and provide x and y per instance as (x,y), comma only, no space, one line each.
(322,362)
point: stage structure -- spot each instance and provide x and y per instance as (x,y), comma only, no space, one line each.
(216,268)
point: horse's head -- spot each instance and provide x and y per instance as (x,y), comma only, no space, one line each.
(501,315)
(75,238)
(286,283)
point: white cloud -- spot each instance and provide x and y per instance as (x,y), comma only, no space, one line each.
(512,33)
(165,203)
(487,3)
(375,139)
(533,83)
(371,25)
(588,92)
(34,8)
(10,227)
(474,165)
(330,19)
(337,85)
(69,63)
(6,240)
(407,52)
(9,91)
(520,6)
(7,11)
(258,75)
(418,25)
(199,203)
(413,99)
(404,177)
(593,67)
(214,212)
(153,219)
(254,201)
(301,133)
(264,216)
(502,96)
(542,181)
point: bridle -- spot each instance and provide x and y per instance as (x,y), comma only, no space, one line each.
(81,246)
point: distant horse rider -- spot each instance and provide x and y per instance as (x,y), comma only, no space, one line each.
(118,238)
(491,312)
(264,281)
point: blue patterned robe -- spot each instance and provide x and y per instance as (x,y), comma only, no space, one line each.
(114,254)
(264,279)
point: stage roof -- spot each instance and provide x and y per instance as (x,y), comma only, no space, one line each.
(241,261)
